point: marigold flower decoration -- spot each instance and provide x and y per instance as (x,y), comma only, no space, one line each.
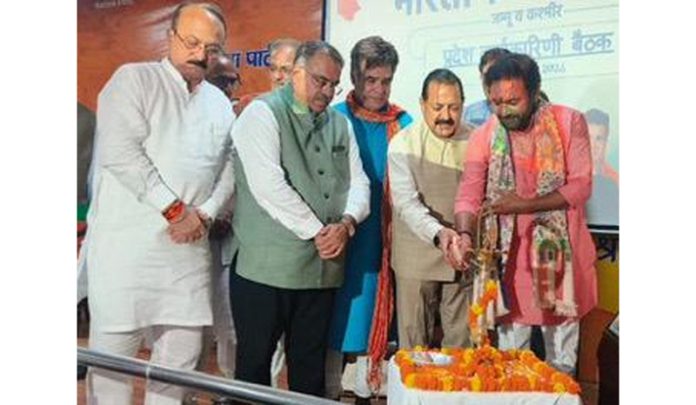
(479,332)
(483,369)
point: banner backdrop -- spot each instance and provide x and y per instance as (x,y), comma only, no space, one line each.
(113,32)
(575,42)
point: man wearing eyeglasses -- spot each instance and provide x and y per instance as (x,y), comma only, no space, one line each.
(162,171)
(301,190)
(281,60)
(375,120)
(281,57)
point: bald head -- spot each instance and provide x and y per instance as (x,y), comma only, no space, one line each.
(211,8)
(196,37)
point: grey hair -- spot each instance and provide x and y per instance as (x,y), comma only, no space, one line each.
(310,49)
(374,51)
(277,44)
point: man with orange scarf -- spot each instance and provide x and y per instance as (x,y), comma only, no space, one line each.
(375,121)
(530,167)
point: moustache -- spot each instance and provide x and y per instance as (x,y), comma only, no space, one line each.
(322,98)
(200,63)
(446,122)
(513,122)
(510,117)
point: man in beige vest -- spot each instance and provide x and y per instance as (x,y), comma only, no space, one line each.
(425,164)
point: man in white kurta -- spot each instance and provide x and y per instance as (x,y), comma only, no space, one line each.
(162,172)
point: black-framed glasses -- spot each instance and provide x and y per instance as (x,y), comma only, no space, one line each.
(192,43)
(321,82)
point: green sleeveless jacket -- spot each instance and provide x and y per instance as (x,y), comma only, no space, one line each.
(315,158)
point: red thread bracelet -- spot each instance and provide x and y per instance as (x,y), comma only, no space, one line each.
(174,211)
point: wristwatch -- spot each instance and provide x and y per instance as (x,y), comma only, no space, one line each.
(436,240)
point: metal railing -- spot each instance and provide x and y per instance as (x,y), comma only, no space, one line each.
(193,379)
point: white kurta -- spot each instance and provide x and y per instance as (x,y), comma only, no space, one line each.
(155,142)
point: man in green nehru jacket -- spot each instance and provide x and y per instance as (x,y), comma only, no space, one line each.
(301,190)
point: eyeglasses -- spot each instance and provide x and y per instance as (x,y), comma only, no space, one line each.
(191,43)
(286,70)
(321,82)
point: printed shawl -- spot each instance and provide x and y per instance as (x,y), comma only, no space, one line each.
(551,255)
